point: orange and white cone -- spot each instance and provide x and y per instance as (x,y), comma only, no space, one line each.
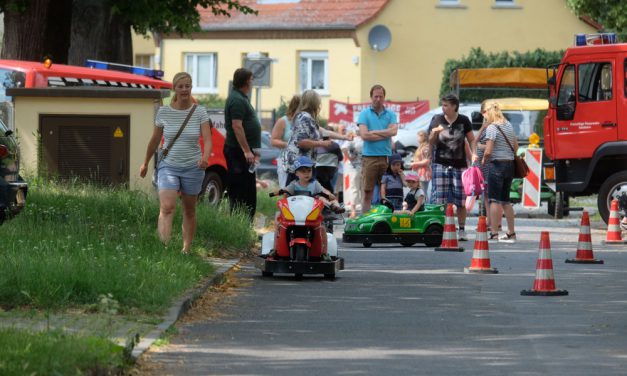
(449,237)
(584,246)
(614,235)
(544,284)
(480,262)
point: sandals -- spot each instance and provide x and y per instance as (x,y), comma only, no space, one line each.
(494,237)
(508,238)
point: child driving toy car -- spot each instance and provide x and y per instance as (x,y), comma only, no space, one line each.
(415,198)
(304,185)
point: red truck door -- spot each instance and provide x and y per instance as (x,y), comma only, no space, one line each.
(586,114)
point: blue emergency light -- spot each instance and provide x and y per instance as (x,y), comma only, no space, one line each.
(154,73)
(595,39)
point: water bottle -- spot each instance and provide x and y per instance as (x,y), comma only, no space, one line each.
(253,167)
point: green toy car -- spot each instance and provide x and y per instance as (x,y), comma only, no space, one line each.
(381,225)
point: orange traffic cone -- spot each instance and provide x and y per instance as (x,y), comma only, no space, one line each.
(449,237)
(480,262)
(544,283)
(584,246)
(614,235)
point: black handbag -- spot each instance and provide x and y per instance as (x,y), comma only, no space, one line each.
(520,166)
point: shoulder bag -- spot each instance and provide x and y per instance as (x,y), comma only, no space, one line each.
(163,152)
(520,166)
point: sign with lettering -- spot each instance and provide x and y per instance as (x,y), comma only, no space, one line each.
(348,113)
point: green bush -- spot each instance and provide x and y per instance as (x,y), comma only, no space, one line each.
(477,58)
(211,101)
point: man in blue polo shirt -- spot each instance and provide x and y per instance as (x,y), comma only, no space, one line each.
(377,126)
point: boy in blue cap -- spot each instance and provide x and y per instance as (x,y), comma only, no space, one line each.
(305,185)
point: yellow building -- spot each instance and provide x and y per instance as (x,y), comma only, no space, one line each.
(325,45)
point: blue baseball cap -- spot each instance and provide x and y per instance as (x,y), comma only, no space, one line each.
(395,158)
(303,161)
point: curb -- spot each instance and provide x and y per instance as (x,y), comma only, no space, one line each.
(136,346)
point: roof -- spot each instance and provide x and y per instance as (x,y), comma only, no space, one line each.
(500,77)
(522,104)
(301,15)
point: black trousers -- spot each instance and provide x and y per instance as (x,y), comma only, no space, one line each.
(241,184)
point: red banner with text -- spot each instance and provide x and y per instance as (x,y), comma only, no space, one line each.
(348,113)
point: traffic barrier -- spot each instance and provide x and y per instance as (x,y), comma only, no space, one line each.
(449,237)
(584,245)
(544,284)
(480,262)
(614,235)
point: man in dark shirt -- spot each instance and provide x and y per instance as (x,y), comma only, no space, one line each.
(243,135)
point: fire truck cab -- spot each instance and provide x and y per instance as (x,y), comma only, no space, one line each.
(585,130)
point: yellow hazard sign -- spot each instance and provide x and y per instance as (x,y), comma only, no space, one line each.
(118,133)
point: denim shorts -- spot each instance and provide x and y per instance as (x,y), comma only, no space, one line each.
(187,180)
(500,176)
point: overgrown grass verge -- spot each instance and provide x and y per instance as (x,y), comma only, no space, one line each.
(75,244)
(57,353)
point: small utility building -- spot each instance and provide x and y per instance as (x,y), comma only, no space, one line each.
(93,133)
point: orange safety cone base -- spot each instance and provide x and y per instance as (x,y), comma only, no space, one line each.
(449,249)
(613,242)
(544,293)
(583,261)
(481,270)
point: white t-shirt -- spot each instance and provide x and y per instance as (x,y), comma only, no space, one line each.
(186,149)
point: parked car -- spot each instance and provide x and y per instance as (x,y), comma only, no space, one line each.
(268,161)
(13,188)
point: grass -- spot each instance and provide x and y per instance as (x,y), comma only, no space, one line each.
(57,353)
(75,243)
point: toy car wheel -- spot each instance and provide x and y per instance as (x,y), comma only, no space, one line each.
(381,228)
(367,244)
(407,244)
(434,229)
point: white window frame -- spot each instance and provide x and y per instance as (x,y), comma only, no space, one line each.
(193,69)
(310,56)
(511,4)
(149,57)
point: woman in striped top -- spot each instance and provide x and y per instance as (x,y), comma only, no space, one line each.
(183,169)
(500,157)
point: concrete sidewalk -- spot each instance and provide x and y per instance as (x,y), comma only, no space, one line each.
(135,332)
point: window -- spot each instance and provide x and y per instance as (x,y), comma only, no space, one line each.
(204,71)
(566,93)
(595,82)
(314,71)
(145,61)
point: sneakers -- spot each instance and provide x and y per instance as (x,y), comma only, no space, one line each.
(461,235)
(508,238)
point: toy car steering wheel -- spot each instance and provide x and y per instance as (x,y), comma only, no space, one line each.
(388,203)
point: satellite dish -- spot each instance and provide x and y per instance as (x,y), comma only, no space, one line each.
(379,38)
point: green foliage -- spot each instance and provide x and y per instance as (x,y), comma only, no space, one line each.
(211,101)
(173,16)
(612,14)
(477,58)
(57,353)
(266,205)
(93,243)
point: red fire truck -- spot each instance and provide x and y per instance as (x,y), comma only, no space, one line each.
(29,74)
(585,130)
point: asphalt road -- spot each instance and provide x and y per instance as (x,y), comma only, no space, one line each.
(412,311)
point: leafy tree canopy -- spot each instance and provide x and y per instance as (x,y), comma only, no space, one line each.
(612,14)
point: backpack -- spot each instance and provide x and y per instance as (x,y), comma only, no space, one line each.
(473,182)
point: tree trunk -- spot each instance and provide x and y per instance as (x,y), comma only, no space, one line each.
(98,34)
(41,30)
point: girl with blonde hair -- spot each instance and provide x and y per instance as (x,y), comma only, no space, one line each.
(281,133)
(422,161)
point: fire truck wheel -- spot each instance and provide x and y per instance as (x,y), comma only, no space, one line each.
(212,189)
(614,187)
